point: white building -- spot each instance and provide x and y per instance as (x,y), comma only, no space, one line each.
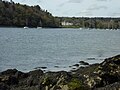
(64,23)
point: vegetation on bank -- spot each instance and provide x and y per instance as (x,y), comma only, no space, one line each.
(87,22)
(75,84)
(17,15)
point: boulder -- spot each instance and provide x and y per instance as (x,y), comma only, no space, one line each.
(83,63)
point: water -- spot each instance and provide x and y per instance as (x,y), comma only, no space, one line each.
(26,49)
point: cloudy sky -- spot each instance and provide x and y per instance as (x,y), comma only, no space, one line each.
(78,8)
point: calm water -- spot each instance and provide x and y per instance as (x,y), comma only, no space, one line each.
(26,49)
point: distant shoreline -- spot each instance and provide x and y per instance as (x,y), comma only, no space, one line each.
(59,27)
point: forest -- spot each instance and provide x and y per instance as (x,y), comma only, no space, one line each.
(18,15)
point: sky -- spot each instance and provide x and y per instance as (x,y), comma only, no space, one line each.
(78,8)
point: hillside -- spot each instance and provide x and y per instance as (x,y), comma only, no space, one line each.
(17,15)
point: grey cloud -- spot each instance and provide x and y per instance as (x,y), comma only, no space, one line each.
(38,1)
(75,1)
(116,14)
(65,12)
(91,9)
(94,7)
(85,12)
(71,1)
(23,0)
(104,0)
(62,4)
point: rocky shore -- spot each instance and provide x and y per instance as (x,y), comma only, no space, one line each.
(103,76)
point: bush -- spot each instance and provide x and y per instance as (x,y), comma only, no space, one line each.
(75,84)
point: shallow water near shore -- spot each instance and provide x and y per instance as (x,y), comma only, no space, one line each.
(56,49)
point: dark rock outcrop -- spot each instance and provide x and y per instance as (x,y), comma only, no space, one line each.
(106,73)
(83,63)
(114,86)
(103,76)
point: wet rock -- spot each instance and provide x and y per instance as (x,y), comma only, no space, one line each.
(56,66)
(83,63)
(73,68)
(77,65)
(40,68)
(90,58)
(43,67)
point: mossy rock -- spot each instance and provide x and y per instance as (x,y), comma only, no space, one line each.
(75,84)
(46,81)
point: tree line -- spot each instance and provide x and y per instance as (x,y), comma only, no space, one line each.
(91,22)
(17,15)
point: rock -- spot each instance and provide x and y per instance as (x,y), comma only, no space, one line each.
(103,76)
(9,72)
(56,88)
(43,67)
(40,68)
(77,65)
(114,86)
(34,77)
(90,58)
(9,80)
(108,72)
(73,68)
(56,66)
(21,75)
(83,63)
(4,86)
(36,72)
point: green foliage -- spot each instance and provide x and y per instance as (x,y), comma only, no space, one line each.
(22,15)
(75,84)
(46,81)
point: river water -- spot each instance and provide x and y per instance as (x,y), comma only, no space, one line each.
(56,49)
